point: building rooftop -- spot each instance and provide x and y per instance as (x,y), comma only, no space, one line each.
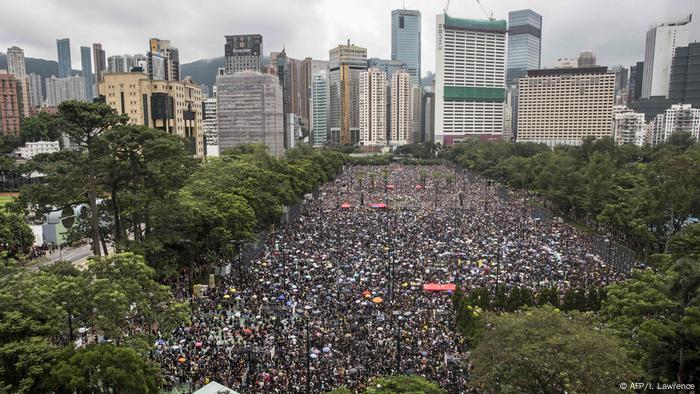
(500,25)
(567,71)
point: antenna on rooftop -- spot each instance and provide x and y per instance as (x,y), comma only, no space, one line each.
(446,6)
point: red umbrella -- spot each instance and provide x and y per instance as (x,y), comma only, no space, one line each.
(391,187)
(198,344)
(345,205)
(247,331)
(418,187)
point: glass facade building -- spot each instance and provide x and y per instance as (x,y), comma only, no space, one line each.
(86,64)
(64,63)
(524,43)
(406,41)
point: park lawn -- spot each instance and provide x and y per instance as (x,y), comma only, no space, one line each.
(5,199)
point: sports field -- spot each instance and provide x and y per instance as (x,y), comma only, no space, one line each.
(6,197)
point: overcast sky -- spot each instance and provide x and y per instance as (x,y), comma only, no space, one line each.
(614,29)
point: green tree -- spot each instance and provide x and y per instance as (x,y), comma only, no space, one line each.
(106,368)
(16,237)
(42,127)
(659,313)
(402,384)
(543,350)
(83,123)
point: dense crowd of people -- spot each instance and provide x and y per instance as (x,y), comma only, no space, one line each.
(337,296)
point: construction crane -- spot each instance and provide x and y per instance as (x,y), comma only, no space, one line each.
(488,13)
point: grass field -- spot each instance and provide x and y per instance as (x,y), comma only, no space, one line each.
(5,198)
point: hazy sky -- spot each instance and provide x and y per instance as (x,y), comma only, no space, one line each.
(615,29)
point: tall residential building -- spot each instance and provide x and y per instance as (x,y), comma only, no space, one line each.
(86,64)
(36,91)
(59,90)
(174,107)
(401,108)
(99,61)
(635,82)
(243,53)
(250,111)
(661,44)
(345,63)
(586,58)
(162,49)
(685,75)
(562,106)
(120,63)
(628,126)
(417,94)
(524,44)
(15,62)
(428,117)
(9,104)
(679,118)
(210,123)
(470,78)
(64,63)
(306,72)
(319,108)
(373,107)
(406,41)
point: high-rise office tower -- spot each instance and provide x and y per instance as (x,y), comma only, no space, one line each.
(161,49)
(210,124)
(64,63)
(524,44)
(99,61)
(9,104)
(15,62)
(401,108)
(372,107)
(250,110)
(86,64)
(36,91)
(428,117)
(562,106)
(685,75)
(417,95)
(389,67)
(406,40)
(345,63)
(661,43)
(586,58)
(243,53)
(306,73)
(470,78)
(319,108)
(635,83)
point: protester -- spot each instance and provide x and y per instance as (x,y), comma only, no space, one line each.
(341,288)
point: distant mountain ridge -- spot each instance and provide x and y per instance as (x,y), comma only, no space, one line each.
(203,71)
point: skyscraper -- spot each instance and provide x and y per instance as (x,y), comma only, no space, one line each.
(661,43)
(372,107)
(319,108)
(524,43)
(250,110)
(64,63)
(470,78)
(401,108)
(15,62)
(59,90)
(635,83)
(86,64)
(389,67)
(99,61)
(243,53)
(345,63)
(586,58)
(406,40)
(685,75)
(161,49)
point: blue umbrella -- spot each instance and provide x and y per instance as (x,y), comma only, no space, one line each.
(280,298)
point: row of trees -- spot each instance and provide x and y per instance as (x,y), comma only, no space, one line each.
(152,197)
(641,195)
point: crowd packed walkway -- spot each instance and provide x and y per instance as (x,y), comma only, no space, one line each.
(338,296)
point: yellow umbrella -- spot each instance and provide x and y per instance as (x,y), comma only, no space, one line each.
(377,300)
(227,296)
